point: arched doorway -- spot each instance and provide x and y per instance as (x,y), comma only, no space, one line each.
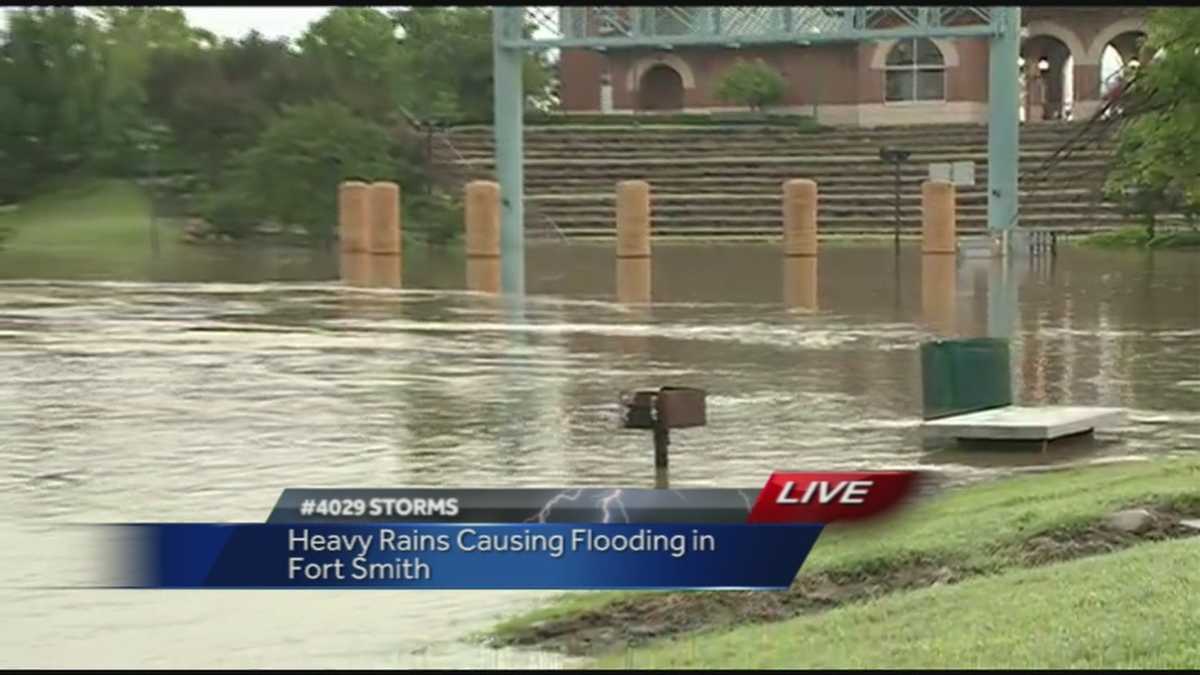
(661,88)
(1048,68)
(1121,55)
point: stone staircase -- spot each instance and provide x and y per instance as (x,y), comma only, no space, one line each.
(725,181)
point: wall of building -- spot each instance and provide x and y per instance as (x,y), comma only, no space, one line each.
(844,83)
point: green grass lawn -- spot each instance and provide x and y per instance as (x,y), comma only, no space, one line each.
(1133,609)
(980,528)
(99,218)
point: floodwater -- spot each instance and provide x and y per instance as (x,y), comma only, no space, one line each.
(197,388)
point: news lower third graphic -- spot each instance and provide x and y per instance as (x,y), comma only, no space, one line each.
(578,538)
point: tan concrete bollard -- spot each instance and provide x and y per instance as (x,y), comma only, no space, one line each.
(353,216)
(800,217)
(384,235)
(938,217)
(483,275)
(633,219)
(635,289)
(633,281)
(939,293)
(354,268)
(482,216)
(800,282)
(385,271)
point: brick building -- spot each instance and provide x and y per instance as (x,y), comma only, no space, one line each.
(872,83)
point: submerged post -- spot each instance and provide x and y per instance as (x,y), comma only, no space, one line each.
(662,444)
(353,216)
(938,218)
(800,217)
(481,211)
(384,234)
(1003,123)
(633,219)
(508,112)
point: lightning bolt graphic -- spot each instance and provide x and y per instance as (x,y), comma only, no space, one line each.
(615,496)
(549,506)
(746,499)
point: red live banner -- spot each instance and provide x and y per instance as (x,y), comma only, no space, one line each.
(824,497)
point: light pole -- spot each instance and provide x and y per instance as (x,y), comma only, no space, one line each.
(895,156)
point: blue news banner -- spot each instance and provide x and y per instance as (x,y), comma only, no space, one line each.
(478,539)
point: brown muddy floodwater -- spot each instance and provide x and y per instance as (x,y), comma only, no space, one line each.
(197,388)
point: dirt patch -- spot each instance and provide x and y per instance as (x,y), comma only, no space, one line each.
(1101,538)
(636,620)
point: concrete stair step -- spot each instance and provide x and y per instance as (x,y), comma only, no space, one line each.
(709,144)
(1031,131)
(725,181)
(964,196)
(563,212)
(880,223)
(865,160)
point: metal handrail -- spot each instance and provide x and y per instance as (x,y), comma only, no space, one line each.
(420,125)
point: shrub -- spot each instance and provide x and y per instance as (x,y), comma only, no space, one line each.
(753,84)
(435,218)
(292,173)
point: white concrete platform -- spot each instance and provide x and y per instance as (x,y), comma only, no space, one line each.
(1019,423)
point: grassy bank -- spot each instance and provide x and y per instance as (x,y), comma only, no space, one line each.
(988,529)
(1133,609)
(1139,237)
(98,218)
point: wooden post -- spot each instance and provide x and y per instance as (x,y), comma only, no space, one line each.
(353,216)
(938,218)
(482,215)
(800,217)
(633,219)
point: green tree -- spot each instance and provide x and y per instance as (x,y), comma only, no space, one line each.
(446,64)
(131,38)
(52,77)
(291,174)
(753,84)
(218,100)
(355,54)
(1157,163)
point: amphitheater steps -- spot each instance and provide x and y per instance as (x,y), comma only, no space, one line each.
(721,182)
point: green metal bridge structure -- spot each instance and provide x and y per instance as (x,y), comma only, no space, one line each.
(519,29)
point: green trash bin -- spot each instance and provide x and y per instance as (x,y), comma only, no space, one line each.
(962,376)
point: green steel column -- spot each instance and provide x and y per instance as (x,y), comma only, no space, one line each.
(1003,165)
(1003,121)
(509,103)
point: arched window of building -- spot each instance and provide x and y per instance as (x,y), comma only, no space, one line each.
(915,71)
